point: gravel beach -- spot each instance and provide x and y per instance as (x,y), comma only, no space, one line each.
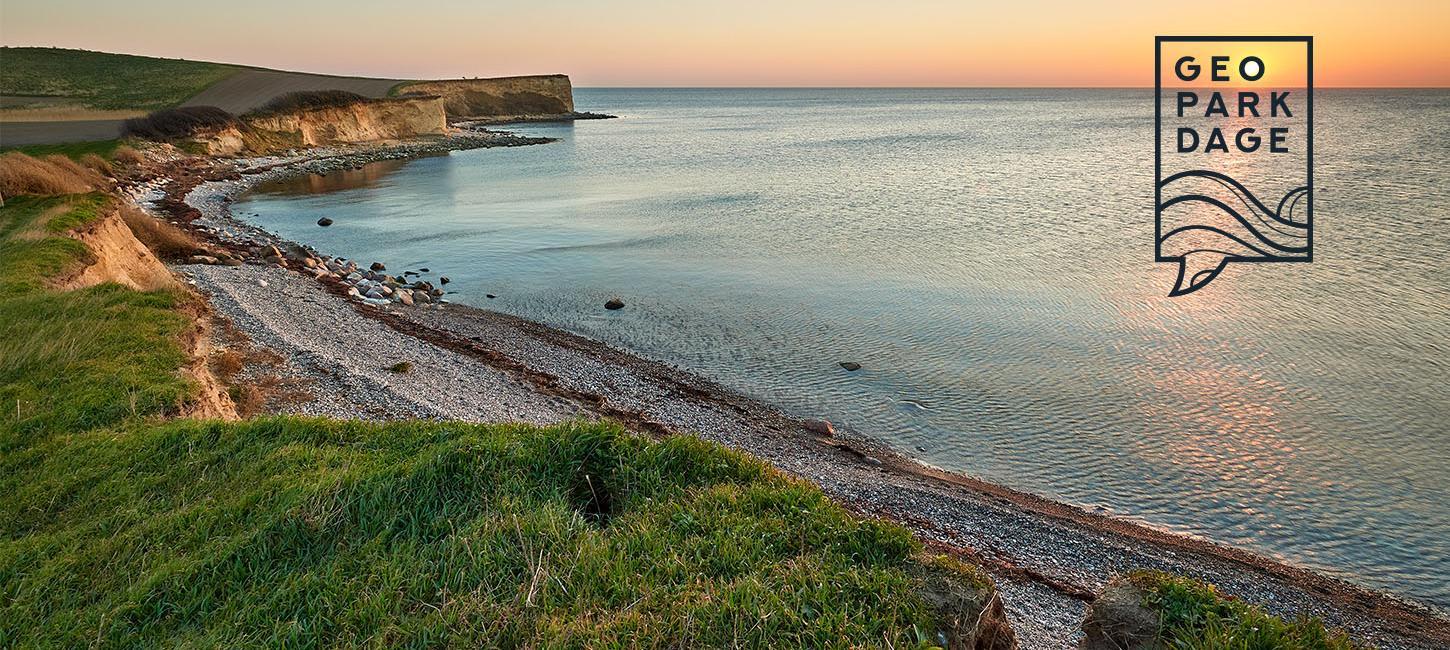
(470,364)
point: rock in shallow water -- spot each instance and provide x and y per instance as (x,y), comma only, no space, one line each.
(851,365)
(614,303)
(377,266)
(324,222)
(822,427)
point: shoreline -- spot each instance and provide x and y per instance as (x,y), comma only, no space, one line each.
(1049,557)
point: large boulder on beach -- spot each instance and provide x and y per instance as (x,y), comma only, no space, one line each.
(377,266)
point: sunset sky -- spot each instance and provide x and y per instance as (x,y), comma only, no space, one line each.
(742,43)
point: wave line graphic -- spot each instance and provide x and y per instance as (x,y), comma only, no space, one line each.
(1211,239)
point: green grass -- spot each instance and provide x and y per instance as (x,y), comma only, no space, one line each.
(1194,616)
(79,359)
(304,532)
(72,150)
(105,81)
(120,529)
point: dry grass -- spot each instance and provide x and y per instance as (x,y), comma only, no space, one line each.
(249,400)
(128,156)
(54,174)
(226,363)
(98,164)
(166,240)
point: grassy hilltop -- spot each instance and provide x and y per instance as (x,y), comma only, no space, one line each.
(105,81)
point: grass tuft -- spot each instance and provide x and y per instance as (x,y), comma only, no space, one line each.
(401,367)
(1194,616)
(52,174)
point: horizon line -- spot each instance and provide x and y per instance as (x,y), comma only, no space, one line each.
(887,86)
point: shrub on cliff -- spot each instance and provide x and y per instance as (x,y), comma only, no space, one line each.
(176,123)
(307,99)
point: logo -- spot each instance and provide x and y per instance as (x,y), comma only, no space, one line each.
(1235,153)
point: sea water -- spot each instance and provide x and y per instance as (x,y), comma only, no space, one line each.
(987,257)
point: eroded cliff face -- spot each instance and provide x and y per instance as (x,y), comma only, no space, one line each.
(116,256)
(536,95)
(380,119)
(371,121)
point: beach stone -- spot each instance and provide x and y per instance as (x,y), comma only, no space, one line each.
(613,304)
(443,279)
(202,259)
(295,252)
(376,293)
(377,266)
(353,277)
(324,222)
(422,296)
(489,296)
(423,269)
(822,427)
(262,283)
(405,297)
(851,365)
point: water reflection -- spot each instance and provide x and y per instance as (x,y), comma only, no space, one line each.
(366,175)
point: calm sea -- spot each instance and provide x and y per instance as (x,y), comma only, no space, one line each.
(986,256)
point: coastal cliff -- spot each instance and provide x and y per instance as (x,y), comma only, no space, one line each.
(379,119)
(357,122)
(533,95)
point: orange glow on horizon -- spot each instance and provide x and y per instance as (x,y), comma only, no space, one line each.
(1393,43)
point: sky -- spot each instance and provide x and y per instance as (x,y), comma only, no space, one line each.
(743,42)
